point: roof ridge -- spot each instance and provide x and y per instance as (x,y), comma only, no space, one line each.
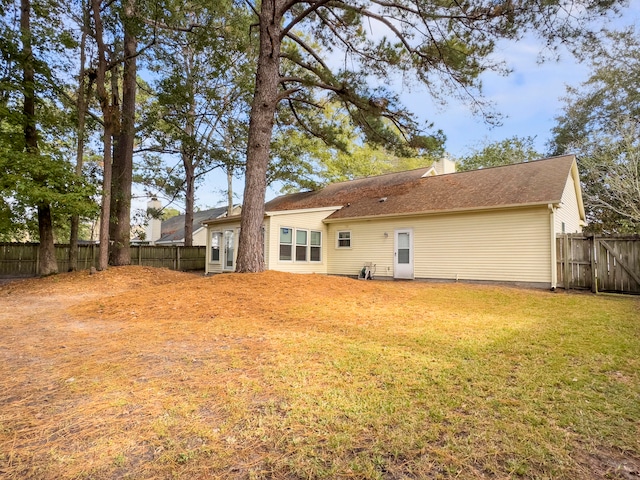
(377,176)
(553,157)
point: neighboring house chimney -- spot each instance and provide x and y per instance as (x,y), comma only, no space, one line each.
(154,227)
(445,165)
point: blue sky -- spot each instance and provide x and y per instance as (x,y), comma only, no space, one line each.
(529,99)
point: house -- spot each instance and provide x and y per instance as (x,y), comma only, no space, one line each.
(494,224)
(171,231)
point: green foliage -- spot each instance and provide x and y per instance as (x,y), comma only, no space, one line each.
(599,123)
(504,152)
(335,149)
(195,119)
(43,176)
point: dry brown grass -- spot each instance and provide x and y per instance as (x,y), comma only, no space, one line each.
(146,373)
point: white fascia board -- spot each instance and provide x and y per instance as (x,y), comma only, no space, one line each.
(302,210)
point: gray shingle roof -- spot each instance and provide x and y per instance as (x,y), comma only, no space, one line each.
(173,228)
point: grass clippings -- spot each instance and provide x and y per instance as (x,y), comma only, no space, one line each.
(146,373)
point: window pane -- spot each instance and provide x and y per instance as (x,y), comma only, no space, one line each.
(301,253)
(316,238)
(315,254)
(344,239)
(403,240)
(285,252)
(215,247)
(301,237)
(286,235)
(403,255)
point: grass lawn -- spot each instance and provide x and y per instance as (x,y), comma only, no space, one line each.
(144,373)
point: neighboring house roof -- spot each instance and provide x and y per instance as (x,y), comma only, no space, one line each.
(173,228)
(532,183)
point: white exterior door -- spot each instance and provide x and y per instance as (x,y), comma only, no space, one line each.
(403,254)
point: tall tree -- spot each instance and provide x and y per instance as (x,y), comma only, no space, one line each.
(444,45)
(109,119)
(122,174)
(203,64)
(81,110)
(46,253)
(599,123)
(35,177)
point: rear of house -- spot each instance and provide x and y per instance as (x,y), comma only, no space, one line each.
(496,224)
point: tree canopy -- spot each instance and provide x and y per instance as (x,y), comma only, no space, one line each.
(503,152)
(599,123)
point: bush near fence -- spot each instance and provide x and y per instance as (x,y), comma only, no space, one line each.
(22,259)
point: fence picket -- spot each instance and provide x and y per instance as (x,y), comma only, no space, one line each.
(21,259)
(599,263)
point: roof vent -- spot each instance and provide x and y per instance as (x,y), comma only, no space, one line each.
(383,199)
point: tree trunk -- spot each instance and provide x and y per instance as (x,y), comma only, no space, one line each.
(81,107)
(48,264)
(107,114)
(189,159)
(190,181)
(250,256)
(229,190)
(123,155)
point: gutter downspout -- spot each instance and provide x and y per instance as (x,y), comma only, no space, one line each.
(552,230)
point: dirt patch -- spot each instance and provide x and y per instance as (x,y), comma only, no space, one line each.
(610,463)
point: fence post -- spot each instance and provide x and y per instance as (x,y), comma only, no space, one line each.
(178,257)
(566,246)
(594,264)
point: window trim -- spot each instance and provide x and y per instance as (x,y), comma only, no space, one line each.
(338,239)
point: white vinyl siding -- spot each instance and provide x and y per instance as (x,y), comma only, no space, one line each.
(507,245)
(568,212)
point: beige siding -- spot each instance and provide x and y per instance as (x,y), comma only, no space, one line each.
(568,212)
(200,237)
(509,245)
(311,220)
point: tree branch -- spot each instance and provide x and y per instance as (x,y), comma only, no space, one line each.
(301,16)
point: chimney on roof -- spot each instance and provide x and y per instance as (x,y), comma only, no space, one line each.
(153,232)
(445,165)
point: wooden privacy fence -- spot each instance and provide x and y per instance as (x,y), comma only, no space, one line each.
(599,263)
(21,259)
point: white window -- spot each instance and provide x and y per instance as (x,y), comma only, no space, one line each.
(300,245)
(344,239)
(302,242)
(316,247)
(286,243)
(216,241)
